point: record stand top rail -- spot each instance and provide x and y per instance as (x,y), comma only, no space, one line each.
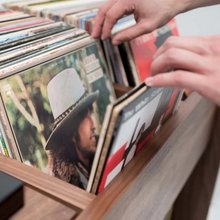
(145,189)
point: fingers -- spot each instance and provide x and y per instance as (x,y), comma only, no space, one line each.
(97,29)
(132,32)
(114,13)
(176,58)
(185,79)
(179,78)
(188,43)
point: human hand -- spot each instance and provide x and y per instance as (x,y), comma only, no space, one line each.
(195,62)
(149,15)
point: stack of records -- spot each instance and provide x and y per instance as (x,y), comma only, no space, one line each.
(58,110)
(128,63)
(53,9)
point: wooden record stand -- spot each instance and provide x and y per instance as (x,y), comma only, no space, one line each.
(178,165)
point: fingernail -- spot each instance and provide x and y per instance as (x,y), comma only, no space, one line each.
(116,42)
(149,81)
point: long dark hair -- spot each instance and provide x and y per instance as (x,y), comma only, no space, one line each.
(63,155)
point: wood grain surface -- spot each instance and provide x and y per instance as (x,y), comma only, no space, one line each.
(150,183)
(52,187)
(194,200)
(120,90)
(38,206)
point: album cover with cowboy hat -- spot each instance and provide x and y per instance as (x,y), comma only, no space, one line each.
(56,111)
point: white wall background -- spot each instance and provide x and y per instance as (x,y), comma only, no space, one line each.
(202,21)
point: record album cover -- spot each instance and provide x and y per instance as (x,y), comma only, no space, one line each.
(136,122)
(56,112)
(145,46)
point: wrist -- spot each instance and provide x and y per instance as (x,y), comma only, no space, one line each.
(187,5)
(184,6)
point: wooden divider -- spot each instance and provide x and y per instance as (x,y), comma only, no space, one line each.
(54,188)
(38,206)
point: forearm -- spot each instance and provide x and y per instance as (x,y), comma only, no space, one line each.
(193,4)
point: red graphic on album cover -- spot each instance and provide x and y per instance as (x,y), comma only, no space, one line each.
(111,164)
(132,131)
(145,46)
(116,160)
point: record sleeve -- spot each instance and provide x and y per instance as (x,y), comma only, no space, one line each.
(19,5)
(3,146)
(85,18)
(48,54)
(22,27)
(7,134)
(56,110)
(18,21)
(109,64)
(4,12)
(133,123)
(178,100)
(115,65)
(90,24)
(117,56)
(62,14)
(12,40)
(123,23)
(32,31)
(132,63)
(129,64)
(37,9)
(15,17)
(8,16)
(74,17)
(103,146)
(1,149)
(38,31)
(145,46)
(43,44)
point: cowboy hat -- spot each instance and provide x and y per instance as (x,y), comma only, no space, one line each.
(67,97)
